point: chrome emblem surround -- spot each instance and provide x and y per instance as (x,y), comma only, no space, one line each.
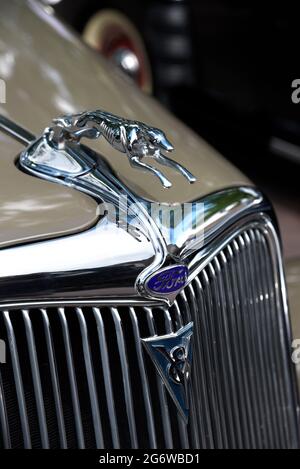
(172,357)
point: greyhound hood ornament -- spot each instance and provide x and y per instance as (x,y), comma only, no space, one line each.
(136,139)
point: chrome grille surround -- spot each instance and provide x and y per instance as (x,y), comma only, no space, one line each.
(90,383)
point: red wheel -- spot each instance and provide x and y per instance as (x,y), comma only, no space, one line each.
(115,36)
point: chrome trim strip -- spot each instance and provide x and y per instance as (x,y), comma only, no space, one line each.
(89,301)
(15,131)
(88,269)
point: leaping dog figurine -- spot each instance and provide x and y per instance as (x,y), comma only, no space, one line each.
(134,138)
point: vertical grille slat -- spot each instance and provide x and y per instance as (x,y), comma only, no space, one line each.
(126,377)
(144,378)
(18,381)
(90,380)
(211,358)
(236,319)
(202,407)
(38,392)
(72,378)
(260,365)
(260,316)
(5,435)
(249,337)
(234,346)
(80,376)
(235,432)
(251,402)
(222,350)
(267,325)
(283,388)
(107,378)
(54,379)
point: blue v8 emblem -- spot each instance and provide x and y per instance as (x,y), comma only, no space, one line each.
(172,356)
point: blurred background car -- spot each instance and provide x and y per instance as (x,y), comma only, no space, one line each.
(231,62)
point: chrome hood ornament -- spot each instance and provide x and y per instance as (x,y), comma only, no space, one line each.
(172,357)
(136,139)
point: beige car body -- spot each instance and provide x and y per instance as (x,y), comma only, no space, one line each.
(56,75)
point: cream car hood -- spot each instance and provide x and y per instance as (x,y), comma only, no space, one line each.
(49,72)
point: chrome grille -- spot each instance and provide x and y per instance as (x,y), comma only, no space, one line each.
(79,377)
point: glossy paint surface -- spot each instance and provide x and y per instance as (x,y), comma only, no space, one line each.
(31,209)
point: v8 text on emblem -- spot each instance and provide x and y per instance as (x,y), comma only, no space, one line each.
(172,357)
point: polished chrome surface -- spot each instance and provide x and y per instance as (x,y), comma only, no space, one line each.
(242,383)
(83,170)
(77,268)
(52,155)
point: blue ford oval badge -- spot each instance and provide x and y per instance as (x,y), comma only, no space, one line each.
(168,280)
